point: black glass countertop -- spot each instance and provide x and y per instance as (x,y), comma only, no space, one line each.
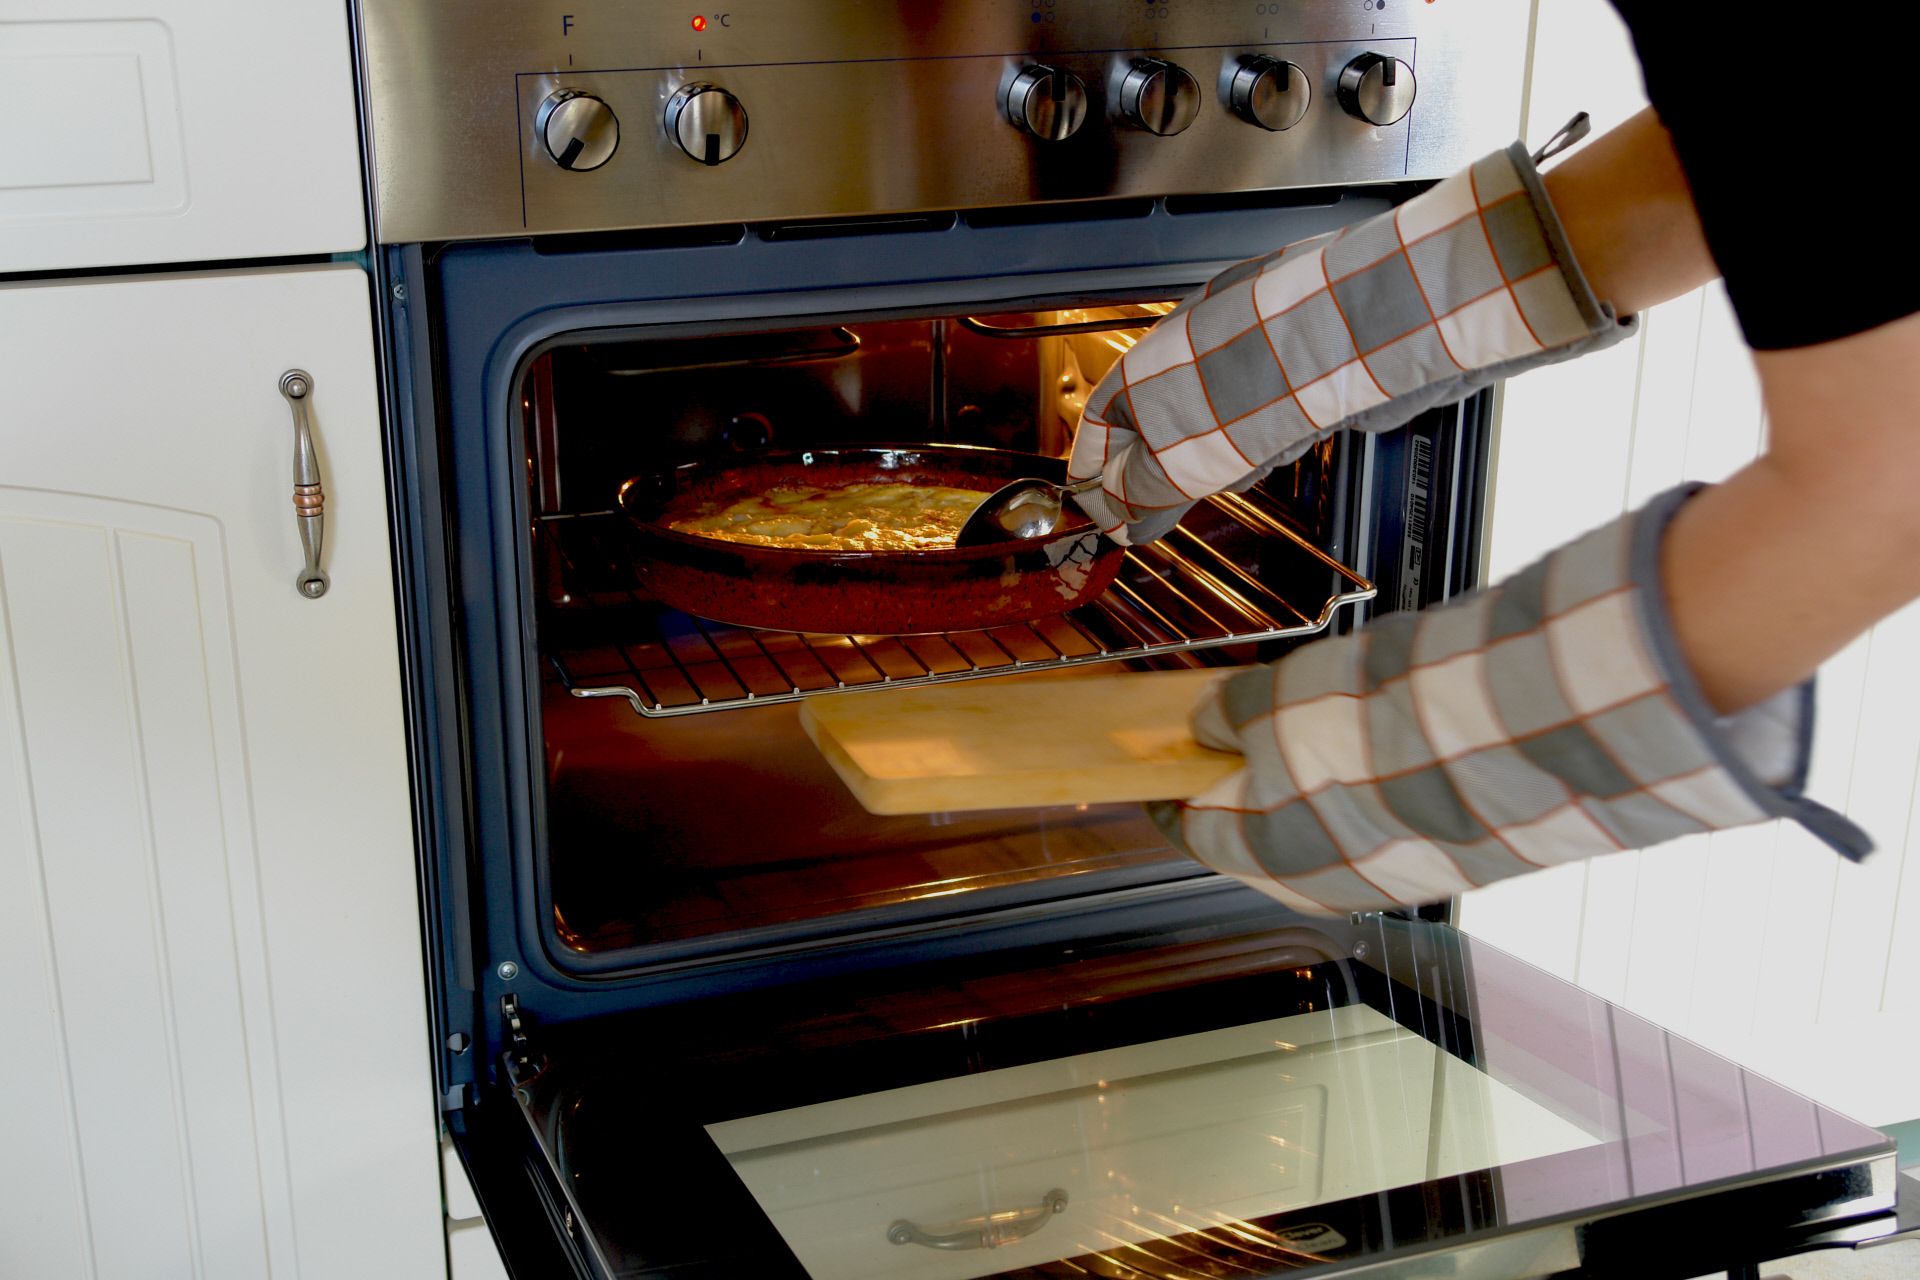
(1377,1097)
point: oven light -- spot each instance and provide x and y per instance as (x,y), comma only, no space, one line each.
(699,22)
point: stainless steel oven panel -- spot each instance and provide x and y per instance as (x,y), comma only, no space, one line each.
(854,107)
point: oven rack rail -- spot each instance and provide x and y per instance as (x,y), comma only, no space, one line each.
(1176,597)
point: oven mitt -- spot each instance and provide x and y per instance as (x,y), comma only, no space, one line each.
(1365,327)
(1545,720)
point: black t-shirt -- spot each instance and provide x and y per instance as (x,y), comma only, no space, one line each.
(1798,139)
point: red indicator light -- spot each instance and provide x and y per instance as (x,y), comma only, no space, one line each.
(699,22)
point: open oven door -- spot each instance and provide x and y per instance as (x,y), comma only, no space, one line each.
(1343,1098)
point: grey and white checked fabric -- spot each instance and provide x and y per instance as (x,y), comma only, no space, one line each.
(1547,719)
(1363,327)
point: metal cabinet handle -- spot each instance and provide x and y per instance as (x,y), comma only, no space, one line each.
(309,500)
(987,1232)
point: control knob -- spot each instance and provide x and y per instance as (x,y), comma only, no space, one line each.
(706,122)
(578,130)
(1377,88)
(1159,97)
(1268,92)
(1046,102)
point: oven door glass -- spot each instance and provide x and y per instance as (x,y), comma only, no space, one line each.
(685,809)
(1313,1095)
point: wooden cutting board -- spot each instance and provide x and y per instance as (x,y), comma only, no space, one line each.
(1020,742)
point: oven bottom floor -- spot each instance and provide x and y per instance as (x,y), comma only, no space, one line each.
(665,830)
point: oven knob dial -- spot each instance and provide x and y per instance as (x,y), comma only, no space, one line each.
(1377,88)
(578,130)
(1046,102)
(707,122)
(1159,97)
(1268,92)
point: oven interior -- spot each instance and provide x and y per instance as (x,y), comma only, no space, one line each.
(682,799)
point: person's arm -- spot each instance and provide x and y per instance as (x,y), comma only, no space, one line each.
(1647,681)
(1786,562)
(1362,328)
(1629,216)
(1778,568)
(1650,679)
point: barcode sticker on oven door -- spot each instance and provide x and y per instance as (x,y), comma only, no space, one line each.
(1413,544)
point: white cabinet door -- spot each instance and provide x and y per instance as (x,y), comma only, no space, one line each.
(216,1059)
(142,131)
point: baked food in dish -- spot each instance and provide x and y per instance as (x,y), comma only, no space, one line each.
(861,516)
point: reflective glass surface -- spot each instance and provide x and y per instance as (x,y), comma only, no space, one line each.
(1262,1097)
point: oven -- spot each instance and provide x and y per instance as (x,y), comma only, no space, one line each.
(697,1012)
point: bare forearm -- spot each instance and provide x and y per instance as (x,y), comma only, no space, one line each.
(1629,216)
(1776,570)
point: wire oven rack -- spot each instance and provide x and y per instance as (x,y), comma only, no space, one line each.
(1180,595)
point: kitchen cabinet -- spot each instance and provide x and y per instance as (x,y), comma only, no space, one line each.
(217,1060)
(175,131)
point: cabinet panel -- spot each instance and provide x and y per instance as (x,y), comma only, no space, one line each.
(179,130)
(207,895)
(114,695)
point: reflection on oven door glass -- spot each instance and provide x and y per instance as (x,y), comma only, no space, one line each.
(1153,1150)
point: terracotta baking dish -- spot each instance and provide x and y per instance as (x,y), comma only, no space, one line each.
(862,592)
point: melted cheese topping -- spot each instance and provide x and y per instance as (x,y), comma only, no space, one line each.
(854,517)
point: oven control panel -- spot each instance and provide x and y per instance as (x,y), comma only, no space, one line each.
(511,117)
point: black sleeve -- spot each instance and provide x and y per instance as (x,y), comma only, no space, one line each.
(1797,133)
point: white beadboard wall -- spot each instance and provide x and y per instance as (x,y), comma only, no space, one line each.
(1759,944)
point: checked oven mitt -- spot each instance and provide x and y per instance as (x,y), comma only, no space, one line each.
(1366,327)
(1547,719)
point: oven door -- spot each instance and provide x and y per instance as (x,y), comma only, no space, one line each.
(1272,1095)
(621,808)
